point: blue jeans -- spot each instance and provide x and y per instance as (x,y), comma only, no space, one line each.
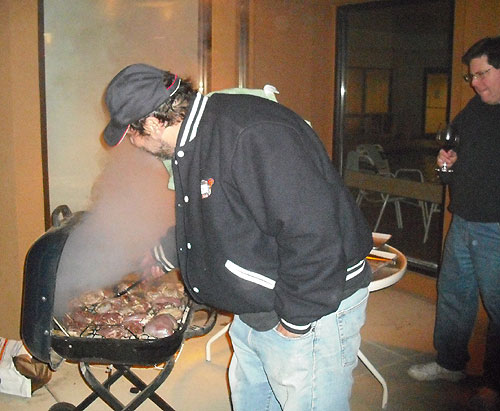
(470,268)
(269,371)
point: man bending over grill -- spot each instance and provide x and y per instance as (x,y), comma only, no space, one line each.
(265,229)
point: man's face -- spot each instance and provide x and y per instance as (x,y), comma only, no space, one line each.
(159,141)
(486,85)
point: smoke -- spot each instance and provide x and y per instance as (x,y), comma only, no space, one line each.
(131,209)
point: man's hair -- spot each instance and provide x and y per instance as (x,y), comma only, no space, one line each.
(489,47)
(174,109)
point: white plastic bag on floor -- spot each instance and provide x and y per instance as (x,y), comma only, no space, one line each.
(11,380)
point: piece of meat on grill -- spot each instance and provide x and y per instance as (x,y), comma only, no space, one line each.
(175,312)
(161,302)
(110,331)
(109,318)
(78,318)
(161,326)
(171,289)
(109,305)
(135,322)
(136,304)
(94,297)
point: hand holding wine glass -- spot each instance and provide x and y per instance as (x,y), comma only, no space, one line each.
(448,139)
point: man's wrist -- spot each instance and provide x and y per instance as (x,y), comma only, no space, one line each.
(283,331)
(295,329)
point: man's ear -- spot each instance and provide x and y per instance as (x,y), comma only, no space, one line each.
(152,125)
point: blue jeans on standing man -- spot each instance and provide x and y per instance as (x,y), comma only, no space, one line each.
(269,371)
(470,268)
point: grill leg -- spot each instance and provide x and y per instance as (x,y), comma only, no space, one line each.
(101,390)
(62,406)
(92,397)
(147,391)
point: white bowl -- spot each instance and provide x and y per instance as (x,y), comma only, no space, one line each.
(379,239)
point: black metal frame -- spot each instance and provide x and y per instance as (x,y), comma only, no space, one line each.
(147,390)
(102,390)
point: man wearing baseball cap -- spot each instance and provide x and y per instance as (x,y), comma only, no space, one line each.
(265,229)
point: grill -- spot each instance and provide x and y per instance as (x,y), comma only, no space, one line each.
(39,328)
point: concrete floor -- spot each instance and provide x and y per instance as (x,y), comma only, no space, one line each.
(398,333)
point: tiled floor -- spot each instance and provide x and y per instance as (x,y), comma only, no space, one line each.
(397,334)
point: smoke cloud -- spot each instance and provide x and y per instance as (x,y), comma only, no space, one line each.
(131,209)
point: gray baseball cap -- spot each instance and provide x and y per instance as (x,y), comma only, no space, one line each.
(133,93)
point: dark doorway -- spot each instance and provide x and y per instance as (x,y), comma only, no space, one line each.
(393,68)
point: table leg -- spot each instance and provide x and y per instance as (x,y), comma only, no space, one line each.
(377,375)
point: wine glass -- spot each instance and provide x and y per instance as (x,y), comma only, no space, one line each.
(447,137)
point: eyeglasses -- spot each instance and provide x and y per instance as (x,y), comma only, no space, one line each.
(478,76)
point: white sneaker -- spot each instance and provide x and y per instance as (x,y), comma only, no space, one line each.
(433,371)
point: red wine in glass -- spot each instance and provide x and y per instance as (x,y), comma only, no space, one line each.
(447,138)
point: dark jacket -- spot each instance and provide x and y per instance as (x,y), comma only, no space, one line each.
(264,225)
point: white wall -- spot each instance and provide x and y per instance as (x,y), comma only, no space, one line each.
(86,43)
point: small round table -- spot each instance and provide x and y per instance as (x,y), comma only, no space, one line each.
(389,274)
(385,274)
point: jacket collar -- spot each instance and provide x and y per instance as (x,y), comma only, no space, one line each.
(190,124)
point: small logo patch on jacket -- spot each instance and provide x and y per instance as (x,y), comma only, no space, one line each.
(206,187)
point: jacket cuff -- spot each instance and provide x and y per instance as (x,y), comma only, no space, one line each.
(296,329)
(159,256)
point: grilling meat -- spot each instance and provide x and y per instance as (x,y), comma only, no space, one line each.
(151,309)
(110,331)
(161,326)
(135,322)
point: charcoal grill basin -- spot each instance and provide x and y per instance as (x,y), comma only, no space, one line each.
(122,355)
(37,325)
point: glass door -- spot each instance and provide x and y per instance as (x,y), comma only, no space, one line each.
(393,64)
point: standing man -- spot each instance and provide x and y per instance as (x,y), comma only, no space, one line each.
(265,229)
(471,260)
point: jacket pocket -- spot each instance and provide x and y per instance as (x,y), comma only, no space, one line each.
(251,276)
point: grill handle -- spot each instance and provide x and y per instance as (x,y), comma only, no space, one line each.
(194,330)
(59,214)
